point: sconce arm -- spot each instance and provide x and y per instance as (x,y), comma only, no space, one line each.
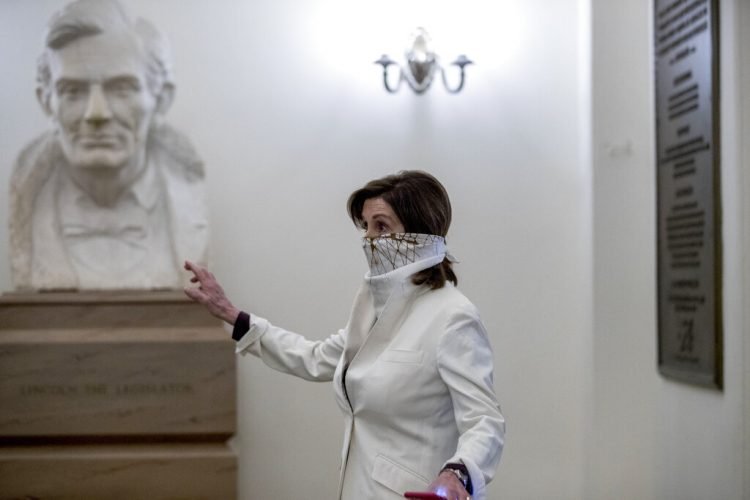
(386,61)
(461,61)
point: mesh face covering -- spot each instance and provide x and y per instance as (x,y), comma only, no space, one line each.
(392,251)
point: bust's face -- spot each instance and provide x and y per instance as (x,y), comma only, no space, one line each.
(100,102)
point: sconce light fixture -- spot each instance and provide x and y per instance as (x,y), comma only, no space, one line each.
(422,64)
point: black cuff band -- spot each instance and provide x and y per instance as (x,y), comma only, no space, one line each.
(241,325)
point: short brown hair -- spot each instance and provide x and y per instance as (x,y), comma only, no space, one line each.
(422,205)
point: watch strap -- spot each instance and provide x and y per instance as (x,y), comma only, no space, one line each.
(462,473)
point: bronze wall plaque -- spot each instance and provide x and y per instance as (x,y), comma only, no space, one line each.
(688,195)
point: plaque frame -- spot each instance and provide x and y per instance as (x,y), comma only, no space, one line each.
(689,289)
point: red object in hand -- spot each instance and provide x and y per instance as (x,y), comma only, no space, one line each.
(423,495)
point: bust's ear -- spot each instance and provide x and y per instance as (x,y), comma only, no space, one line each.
(164,101)
(43,98)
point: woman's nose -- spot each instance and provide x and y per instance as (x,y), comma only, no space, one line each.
(97,110)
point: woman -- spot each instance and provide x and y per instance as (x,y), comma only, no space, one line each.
(412,369)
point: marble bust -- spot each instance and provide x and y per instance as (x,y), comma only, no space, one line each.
(110,197)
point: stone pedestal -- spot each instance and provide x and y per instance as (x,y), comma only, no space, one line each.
(115,395)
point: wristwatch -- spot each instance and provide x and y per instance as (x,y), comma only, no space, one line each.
(462,473)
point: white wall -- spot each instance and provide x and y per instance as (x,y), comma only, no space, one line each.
(283,102)
(652,438)
(286,107)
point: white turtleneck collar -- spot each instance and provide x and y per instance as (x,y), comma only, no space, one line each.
(383,285)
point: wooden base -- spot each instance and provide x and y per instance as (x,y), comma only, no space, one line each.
(115,373)
(117,382)
(147,471)
(115,395)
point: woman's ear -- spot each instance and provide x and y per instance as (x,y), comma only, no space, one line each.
(164,101)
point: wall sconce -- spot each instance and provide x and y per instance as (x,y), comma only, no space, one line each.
(422,63)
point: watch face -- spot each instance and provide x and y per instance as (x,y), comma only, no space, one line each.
(460,472)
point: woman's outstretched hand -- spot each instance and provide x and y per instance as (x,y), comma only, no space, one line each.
(447,485)
(210,294)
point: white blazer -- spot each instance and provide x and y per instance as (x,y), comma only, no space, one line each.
(418,391)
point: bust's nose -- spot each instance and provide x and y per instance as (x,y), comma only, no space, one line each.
(97,109)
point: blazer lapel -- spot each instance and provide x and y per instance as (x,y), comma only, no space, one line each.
(361,320)
(386,326)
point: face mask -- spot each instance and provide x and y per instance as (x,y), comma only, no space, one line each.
(392,251)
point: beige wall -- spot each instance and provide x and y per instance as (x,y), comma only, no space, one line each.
(286,107)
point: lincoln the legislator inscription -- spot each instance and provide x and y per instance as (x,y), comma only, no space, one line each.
(689,217)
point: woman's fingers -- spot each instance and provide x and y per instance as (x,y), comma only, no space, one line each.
(198,272)
(196,295)
(200,277)
(205,279)
(209,293)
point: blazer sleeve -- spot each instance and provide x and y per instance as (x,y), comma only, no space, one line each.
(292,353)
(465,363)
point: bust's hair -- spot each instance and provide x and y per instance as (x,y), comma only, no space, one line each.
(84,18)
(422,205)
